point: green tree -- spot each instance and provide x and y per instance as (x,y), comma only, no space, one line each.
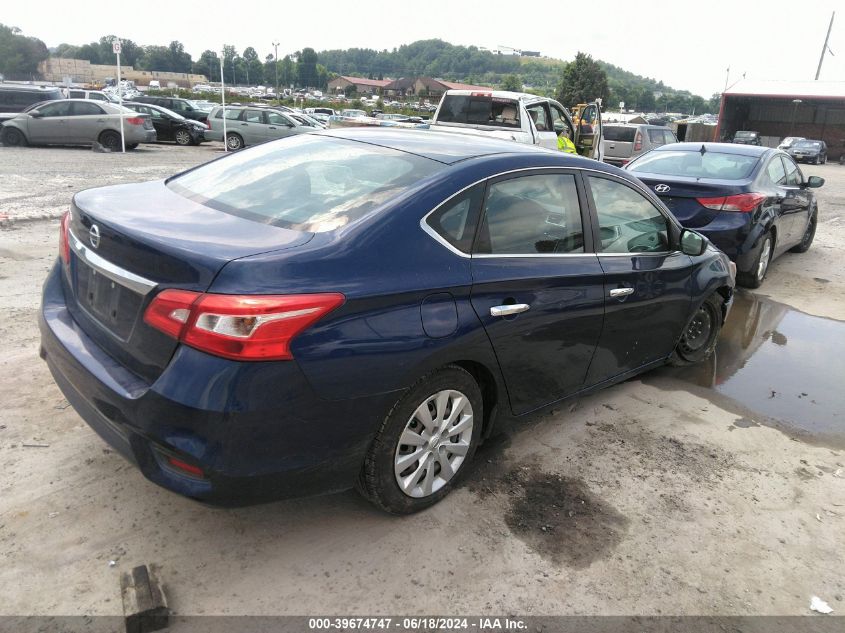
(583,80)
(512,82)
(208,64)
(253,66)
(179,61)
(155,58)
(307,68)
(20,55)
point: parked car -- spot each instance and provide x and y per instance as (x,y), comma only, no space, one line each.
(181,106)
(78,122)
(306,119)
(358,308)
(623,143)
(520,117)
(744,137)
(171,126)
(752,202)
(353,113)
(248,125)
(94,95)
(809,151)
(789,141)
(15,98)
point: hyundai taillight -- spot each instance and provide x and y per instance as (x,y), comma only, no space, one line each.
(240,327)
(135,120)
(638,142)
(741,202)
(64,238)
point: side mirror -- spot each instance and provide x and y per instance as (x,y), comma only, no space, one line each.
(692,243)
(35,114)
(814,182)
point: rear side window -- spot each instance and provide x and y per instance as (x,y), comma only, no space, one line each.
(230,114)
(776,172)
(660,137)
(306,183)
(479,110)
(619,133)
(456,220)
(628,221)
(254,116)
(532,215)
(82,109)
(693,164)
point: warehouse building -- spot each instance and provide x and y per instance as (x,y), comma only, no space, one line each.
(359,85)
(776,109)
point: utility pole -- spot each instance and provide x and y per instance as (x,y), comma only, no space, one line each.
(276,62)
(824,48)
(727,78)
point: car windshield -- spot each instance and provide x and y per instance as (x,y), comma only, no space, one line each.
(808,144)
(619,133)
(306,183)
(694,164)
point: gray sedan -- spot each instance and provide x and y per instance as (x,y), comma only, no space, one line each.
(247,125)
(78,122)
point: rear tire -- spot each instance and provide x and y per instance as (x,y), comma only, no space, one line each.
(234,142)
(754,278)
(699,337)
(809,235)
(182,137)
(425,443)
(13,137)
(110,140)
(132,146)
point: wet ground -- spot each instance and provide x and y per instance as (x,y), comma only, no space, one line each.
(775,366)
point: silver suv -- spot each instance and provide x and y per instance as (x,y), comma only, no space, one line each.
(624,142)
(250,125)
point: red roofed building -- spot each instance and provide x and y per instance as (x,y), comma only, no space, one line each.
(361,86)
(425,86)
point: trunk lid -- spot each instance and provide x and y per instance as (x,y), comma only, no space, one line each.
(683,193)
(130,241)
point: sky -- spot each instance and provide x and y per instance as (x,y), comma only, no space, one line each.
(688,46)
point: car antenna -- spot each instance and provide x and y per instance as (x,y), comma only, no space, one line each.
(703,149)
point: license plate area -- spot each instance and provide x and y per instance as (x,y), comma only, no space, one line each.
(110,303)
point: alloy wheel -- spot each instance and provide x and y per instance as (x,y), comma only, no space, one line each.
(434,443)
(182,137)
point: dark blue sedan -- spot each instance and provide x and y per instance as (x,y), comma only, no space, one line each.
(752,202)
(359,307)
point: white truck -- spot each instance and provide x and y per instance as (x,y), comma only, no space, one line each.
(520,117)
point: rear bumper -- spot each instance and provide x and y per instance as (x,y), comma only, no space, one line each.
(214,135)
(256,430)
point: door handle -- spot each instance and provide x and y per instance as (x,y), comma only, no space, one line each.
(244,123)
(272,127)
(621,292)
(514,308)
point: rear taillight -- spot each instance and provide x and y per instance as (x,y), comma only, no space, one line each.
(240,327)
(135,120)
(638,142)
(64,239)
(741,202)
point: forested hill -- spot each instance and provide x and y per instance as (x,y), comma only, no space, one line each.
(469,64)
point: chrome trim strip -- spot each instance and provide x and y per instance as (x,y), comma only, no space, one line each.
(425,226)
(134,282)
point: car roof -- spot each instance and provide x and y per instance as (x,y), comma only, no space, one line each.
(28,87)
(443,147)
(721,148)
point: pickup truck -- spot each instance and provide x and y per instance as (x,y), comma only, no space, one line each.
(520,117)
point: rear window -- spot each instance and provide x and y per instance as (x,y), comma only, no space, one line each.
(479,110)
(619,133)
(306,183)
(746,134)
(713,165)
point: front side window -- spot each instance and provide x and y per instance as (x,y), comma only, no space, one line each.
(305,183)
(540,117)
(628,221)
(276,118)
(55,109)
(530,215)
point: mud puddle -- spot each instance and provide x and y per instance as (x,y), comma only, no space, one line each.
(775,366)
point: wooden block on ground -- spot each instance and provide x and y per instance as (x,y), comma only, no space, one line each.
(144,604)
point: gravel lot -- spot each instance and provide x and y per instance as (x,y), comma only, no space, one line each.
(716,491)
